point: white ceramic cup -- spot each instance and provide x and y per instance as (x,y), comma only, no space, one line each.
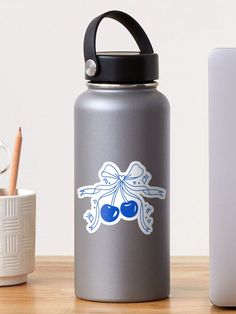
(17,236)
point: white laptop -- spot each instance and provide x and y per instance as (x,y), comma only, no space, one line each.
(222,179)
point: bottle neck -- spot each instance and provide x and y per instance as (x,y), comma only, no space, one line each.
(122,86)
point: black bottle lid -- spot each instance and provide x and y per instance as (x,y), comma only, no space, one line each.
(120,67)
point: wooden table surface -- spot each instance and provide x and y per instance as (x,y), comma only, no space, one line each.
(50,291)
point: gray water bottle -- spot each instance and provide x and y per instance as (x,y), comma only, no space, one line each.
(121,173)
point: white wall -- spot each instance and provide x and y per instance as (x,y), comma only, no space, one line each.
(41,74)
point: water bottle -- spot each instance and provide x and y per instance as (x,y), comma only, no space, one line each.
(121,173)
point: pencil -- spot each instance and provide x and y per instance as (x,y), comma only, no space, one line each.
(15,163)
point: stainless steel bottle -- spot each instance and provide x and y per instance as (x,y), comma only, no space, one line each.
(121,174)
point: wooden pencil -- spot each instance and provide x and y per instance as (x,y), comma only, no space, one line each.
(15,163)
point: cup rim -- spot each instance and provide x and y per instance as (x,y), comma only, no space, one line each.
(20,193)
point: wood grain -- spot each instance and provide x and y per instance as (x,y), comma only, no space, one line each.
(50,290)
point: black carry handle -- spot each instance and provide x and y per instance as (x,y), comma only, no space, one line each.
(130,23)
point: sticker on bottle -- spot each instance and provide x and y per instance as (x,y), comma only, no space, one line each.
(121,195)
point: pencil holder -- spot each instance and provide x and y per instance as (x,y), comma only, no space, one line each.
(17,236)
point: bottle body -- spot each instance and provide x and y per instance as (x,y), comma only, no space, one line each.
(122,194)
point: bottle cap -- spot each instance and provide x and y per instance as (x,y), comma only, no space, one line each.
(120,66)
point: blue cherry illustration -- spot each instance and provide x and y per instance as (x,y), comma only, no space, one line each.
(129,209)
(109,213)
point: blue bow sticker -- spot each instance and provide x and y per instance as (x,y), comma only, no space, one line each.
(120,195)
